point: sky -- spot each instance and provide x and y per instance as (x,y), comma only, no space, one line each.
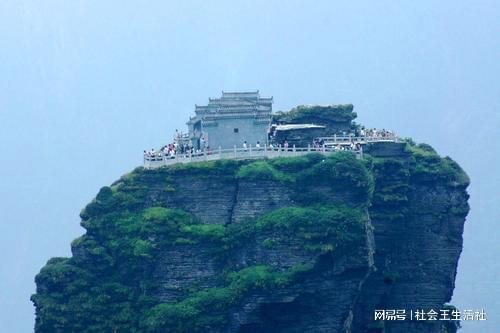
(86,86)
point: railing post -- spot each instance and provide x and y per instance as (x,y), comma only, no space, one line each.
(205,154)
(308,147)
(324,148)
(294,151)
(250,150)
(234,151)
(220,151)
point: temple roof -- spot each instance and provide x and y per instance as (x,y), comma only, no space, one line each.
(240,94)
(243,102)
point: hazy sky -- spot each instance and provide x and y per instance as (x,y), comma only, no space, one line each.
(85,86)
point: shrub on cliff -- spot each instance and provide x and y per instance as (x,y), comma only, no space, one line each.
(261,170)
(205,309)
(318,228)
(428,166)
(317,114)
(342,173)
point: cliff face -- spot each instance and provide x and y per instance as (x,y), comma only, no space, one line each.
(305,244)
(418,213)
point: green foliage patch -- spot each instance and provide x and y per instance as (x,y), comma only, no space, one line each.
(319,229)
(204,310)
(427,167)
(317,114)
(296,164)
(342,173)
(261,170)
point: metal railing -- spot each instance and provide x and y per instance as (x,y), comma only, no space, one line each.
(330,145)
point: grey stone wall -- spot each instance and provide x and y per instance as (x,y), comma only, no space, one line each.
(222,133)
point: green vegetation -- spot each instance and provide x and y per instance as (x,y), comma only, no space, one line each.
(319,229)
(390,199)
(296,164)
(342,172)
(317,114)
(206,309)
(209,168)
(261,170)
(396,177)
(428,166)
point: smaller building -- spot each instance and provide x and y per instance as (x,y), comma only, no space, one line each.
(299,135)
(231,120)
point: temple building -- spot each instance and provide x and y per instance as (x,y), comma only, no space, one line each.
(231,120)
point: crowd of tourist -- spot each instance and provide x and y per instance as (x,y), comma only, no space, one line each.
(174,149)
(376,133)
(320,144)
(183,146)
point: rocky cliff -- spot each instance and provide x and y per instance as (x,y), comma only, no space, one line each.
(304,244)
